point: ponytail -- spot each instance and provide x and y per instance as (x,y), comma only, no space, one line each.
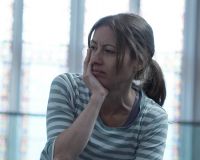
(154,84)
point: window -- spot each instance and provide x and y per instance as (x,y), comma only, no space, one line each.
(5,68)
(53,37)
(44,55)
(168,33)
(5,51)
(99,8)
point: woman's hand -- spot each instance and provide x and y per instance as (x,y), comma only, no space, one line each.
(92,83)
(71,142)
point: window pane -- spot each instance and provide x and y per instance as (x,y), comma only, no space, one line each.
(46,38)
(5,67)
(5,52)
(33,137)
(30,136)
(6,21)
(46,27)
(166,18)
(3,133)
(95,9)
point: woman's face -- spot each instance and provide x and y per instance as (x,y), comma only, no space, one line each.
(103,60)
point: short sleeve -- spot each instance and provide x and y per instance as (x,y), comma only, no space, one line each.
(60,112)
(153,136)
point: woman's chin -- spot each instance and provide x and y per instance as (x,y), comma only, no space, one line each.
(102,81)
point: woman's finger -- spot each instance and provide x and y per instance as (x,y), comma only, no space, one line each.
(87,60)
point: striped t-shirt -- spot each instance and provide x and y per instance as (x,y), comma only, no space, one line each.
(143,139)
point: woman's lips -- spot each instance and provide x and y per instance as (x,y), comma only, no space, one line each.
(98,73)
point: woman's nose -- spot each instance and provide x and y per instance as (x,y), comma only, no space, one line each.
(97,56)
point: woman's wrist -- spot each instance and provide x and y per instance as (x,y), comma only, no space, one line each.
(98,98)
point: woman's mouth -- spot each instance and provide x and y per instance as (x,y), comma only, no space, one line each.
(98,73)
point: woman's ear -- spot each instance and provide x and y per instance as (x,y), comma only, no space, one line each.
(138,66)
(138,70)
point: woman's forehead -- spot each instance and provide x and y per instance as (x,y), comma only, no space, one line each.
(104,34)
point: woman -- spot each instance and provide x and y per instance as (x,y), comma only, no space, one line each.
(113,111)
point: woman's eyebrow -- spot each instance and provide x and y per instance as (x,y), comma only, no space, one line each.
(93,41)
(104,45)
(109,45)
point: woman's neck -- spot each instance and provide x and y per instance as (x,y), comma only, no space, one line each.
(117,107)
(119,100)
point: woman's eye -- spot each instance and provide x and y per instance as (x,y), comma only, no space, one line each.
(109,51)
(92,47)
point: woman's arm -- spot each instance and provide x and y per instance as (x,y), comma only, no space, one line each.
(153,138)
(71,142)
(60,119)
(66,138)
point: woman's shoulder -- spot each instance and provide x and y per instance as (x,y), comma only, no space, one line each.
(73,82)
(70,79)
(151,110)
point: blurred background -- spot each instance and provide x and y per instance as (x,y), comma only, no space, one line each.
(40,39)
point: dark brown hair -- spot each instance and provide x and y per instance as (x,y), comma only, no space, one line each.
(134,32)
